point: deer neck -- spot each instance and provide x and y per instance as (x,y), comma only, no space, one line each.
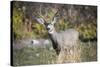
(54,36)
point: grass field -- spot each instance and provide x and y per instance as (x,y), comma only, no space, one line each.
(37,56)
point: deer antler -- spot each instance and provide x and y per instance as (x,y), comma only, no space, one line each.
(40,13)
(54,19)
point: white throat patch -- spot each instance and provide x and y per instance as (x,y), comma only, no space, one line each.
(51,31)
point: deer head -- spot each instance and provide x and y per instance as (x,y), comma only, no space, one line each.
(48,25)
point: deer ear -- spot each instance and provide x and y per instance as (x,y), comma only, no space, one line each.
(54,20)
(40,20)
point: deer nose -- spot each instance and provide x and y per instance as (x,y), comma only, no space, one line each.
(48,28)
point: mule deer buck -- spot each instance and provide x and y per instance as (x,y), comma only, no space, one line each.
(64,43)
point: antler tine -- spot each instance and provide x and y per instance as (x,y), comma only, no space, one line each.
(59,9)
(40,13)
(41,16)
(56,13)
